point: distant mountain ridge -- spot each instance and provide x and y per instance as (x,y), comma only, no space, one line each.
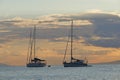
(3,65)
(113,62)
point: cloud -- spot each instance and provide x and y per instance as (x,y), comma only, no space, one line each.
(44,20)
(95,11)
(95,38)
(117,13)
(55,20)
(99,28)
(96,34)
(4,31)
(20,22)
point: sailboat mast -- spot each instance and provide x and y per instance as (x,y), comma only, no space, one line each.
(71,39)
(34,36)
(31,46)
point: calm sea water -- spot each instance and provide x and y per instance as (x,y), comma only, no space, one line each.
(97,72)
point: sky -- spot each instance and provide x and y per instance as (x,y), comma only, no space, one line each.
(96,29)
(44,7)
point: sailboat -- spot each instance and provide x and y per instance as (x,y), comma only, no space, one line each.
(32,60)
(73,61)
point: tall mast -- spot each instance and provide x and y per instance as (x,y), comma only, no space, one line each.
(71,39)
(31,46)
(29,49)
(34,37)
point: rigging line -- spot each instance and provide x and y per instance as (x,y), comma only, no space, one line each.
(67,45)
(34,36)
(66,48)
(29,46)
(71,39)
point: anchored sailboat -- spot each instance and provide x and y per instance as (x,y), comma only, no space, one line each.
(73,61)
(32,60)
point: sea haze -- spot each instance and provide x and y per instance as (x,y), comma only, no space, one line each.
(96,72)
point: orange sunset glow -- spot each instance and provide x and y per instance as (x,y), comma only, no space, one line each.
(96,37)
(13,54)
